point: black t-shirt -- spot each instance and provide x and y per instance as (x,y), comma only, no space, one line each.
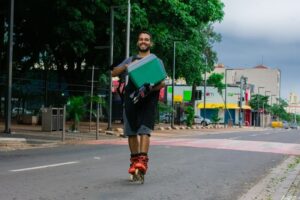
(144,111)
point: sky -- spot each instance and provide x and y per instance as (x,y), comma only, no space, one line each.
(264,32)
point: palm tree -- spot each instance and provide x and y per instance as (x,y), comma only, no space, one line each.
(76,110)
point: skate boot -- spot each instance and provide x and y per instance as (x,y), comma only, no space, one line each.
(142,163)
(133,160)
(141,167)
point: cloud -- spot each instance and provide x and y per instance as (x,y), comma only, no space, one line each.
(273,20)
(240,52)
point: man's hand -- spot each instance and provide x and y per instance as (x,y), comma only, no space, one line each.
(142,92)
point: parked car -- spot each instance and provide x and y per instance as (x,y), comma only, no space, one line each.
(294,125)
(285,125)
(19,111)
(165,118)
(277,124)
(201,120)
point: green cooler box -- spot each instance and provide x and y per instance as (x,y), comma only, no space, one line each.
(147,70)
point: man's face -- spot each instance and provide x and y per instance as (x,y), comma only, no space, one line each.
(144,42)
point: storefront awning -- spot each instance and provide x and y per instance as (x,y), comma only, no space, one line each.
(222,106)
(246,107)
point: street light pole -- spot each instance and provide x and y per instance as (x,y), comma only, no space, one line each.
(111,60)
(226,98)
(258,99)
(111,46)
(173,84)
(9,77)
(204,97)
(240,103)
(225,106)
(91,100)
(264,116)
(128,29)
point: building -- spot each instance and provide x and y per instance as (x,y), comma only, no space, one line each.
(264,80)
(214,103)
(293,104)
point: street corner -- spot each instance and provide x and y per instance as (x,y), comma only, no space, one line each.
(8,144)
(11,144)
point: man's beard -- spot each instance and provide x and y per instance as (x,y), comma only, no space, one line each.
(144,50)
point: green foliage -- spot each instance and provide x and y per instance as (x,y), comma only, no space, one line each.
(104,80)
(258,101)
(215,80)
(190,112)
(76,110)
(278,110)
(215,117)
(67,31)
(164,108)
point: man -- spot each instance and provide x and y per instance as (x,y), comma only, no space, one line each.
(139,117)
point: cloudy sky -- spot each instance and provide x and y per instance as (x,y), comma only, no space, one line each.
(262,32)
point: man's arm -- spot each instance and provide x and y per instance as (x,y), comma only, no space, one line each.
(119,70)
(159,86)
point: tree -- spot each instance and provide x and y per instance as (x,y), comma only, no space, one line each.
(278,110)
(61,35)
(215,80)
(190,114)
(76,110)
(258,101)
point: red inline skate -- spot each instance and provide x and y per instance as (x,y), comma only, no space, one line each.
(141,168)
(133,161)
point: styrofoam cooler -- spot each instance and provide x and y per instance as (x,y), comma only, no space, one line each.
(147,70)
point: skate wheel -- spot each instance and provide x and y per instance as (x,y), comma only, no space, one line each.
(139,176)
(131,177)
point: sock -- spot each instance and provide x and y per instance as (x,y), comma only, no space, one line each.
(143,154)
(134,155)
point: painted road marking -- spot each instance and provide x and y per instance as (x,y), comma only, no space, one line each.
(240,145)
(226,144)
(44,166)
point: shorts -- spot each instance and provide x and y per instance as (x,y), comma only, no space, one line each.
(142,130)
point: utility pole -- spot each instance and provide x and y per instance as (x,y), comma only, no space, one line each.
(111,60)
(92,94)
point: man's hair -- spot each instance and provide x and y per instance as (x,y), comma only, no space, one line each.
(145,32)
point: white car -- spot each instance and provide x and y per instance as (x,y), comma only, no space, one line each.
(201,120)
(165,118)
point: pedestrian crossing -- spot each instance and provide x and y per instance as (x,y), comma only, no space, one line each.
(224,144)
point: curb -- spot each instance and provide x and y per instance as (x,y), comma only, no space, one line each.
(281,183)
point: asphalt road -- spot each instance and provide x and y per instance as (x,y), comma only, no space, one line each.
(210,167)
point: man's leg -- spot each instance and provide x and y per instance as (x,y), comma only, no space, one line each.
(134,150)
(144,143)
(143,156)
(133,144)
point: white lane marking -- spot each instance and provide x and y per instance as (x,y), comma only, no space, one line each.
(97,158)
(254,135)
(267,133)
(234,138)
(44,166)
